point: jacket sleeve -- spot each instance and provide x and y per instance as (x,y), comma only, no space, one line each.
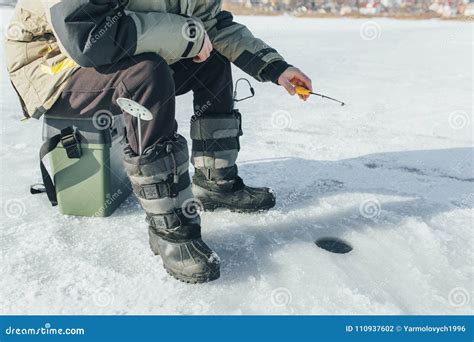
(238,44)
(101,32)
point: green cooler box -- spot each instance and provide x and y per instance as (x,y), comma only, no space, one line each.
(86,164)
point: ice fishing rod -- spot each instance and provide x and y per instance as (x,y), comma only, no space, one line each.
(299,90)
(303,91)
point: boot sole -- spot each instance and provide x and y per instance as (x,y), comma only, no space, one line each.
(212,206)
(194,279)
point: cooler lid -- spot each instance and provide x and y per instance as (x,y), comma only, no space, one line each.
(95,130)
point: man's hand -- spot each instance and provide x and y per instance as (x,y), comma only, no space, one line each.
(205,51)
(292,77)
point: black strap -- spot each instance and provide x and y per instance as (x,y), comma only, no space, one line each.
(176,226)
(70,142)
(214,145)
(167,188)
(227,173)
(167,221)
(47,147)
(68,137)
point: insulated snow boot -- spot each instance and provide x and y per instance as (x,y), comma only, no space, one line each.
(216,183)
(231,194)
(160,180)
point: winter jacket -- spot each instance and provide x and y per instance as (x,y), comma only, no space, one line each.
(48,40)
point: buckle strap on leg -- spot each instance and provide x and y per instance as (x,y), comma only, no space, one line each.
(227,173)
(167,188)
(166,221)
(176,226)
(217,132)
(215,145)
(216,126)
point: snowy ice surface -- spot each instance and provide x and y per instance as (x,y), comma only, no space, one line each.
(391,173)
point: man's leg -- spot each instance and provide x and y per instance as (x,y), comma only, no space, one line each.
(96,90)
(159,177)
(215,129)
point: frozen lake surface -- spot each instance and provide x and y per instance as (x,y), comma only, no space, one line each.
(391,174)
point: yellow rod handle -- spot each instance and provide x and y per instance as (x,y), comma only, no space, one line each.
(302,90)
